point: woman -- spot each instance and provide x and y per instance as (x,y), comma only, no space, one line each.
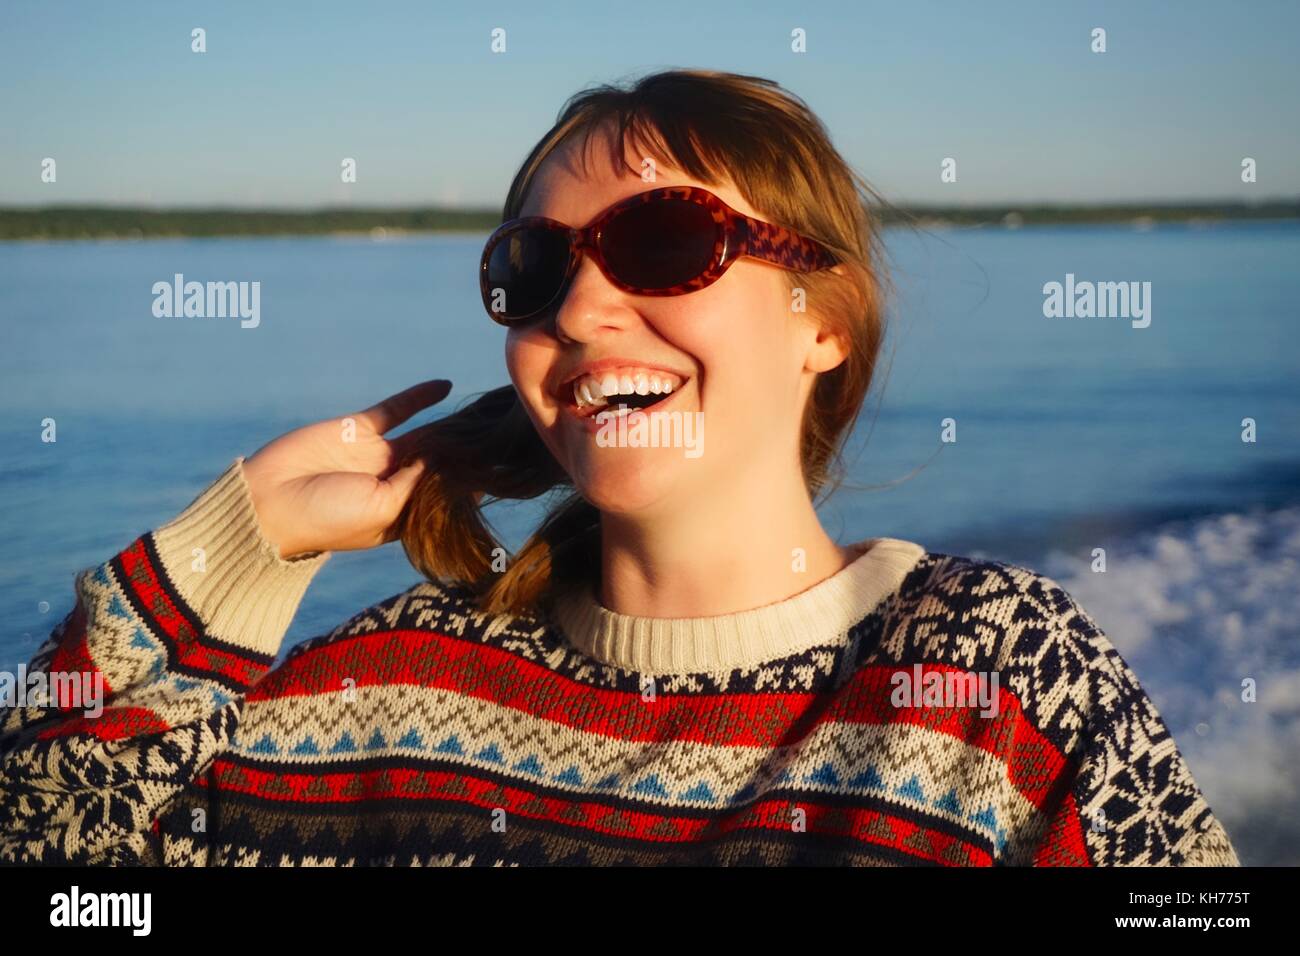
(681,665)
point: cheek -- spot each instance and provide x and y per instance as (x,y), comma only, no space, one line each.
(528,361)
(743,339)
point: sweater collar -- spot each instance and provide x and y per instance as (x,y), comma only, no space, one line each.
(823,614)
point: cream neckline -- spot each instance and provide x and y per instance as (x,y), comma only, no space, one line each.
(823,614)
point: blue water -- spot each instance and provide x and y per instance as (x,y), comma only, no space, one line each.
(1071,434)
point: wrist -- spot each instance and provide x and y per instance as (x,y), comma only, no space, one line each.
(258,493)
(227,572)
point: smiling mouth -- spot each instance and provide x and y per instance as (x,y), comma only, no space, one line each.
(620,392)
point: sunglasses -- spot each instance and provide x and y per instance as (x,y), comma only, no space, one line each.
(667,241)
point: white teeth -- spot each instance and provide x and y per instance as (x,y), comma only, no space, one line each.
(593,390)
(584,394)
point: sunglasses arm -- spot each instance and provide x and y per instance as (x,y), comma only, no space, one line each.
(778,245)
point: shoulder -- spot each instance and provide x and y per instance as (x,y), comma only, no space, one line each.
(1060,674)
(983,615)
(998,606)
(957,586)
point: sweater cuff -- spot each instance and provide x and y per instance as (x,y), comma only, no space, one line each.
(238,586)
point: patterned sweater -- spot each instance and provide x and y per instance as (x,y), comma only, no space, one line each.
(828,728)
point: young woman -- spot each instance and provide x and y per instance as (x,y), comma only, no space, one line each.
(681,665)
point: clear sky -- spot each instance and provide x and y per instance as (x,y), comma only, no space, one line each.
(412,91)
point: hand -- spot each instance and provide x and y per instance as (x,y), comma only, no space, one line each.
(332,486)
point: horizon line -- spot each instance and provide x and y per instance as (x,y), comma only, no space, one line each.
(482,209)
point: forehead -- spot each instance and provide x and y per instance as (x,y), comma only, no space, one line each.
(574,184)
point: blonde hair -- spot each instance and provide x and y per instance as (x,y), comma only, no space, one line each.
(715,127)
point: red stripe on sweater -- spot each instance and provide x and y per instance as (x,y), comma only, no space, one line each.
(868,826)
(427,659)
(145,582)
(73,656)
(1034,765)
(115,723)
(1064,843)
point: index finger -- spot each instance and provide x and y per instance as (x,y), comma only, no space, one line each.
(396,409)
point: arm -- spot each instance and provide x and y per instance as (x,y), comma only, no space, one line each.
(165,639)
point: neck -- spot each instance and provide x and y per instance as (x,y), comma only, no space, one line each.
(747,547)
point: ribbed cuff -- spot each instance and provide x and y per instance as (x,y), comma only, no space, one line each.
(242,591)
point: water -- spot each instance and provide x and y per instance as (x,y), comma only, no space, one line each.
(1072,434)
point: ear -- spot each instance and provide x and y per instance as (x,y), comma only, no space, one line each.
(828,350)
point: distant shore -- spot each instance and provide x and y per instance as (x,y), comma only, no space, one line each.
(130,222)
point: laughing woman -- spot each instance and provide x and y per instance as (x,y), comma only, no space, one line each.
(680,665)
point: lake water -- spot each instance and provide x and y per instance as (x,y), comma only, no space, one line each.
(1072,434)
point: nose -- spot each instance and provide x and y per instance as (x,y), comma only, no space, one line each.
(591,305)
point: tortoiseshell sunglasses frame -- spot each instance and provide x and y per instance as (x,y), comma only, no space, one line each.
(737,235)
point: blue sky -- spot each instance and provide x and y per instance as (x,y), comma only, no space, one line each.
(411,90)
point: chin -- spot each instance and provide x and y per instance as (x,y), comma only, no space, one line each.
(628,480)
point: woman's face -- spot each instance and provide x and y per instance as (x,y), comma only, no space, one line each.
(738,353)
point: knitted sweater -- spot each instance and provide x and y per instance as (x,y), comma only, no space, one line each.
(815,730)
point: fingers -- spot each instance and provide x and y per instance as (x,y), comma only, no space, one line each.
(407,443)
(396,409)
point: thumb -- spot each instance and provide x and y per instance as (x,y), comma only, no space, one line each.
(399,486)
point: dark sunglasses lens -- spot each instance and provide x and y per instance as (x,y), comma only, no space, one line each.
(660,244)
(525,271)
